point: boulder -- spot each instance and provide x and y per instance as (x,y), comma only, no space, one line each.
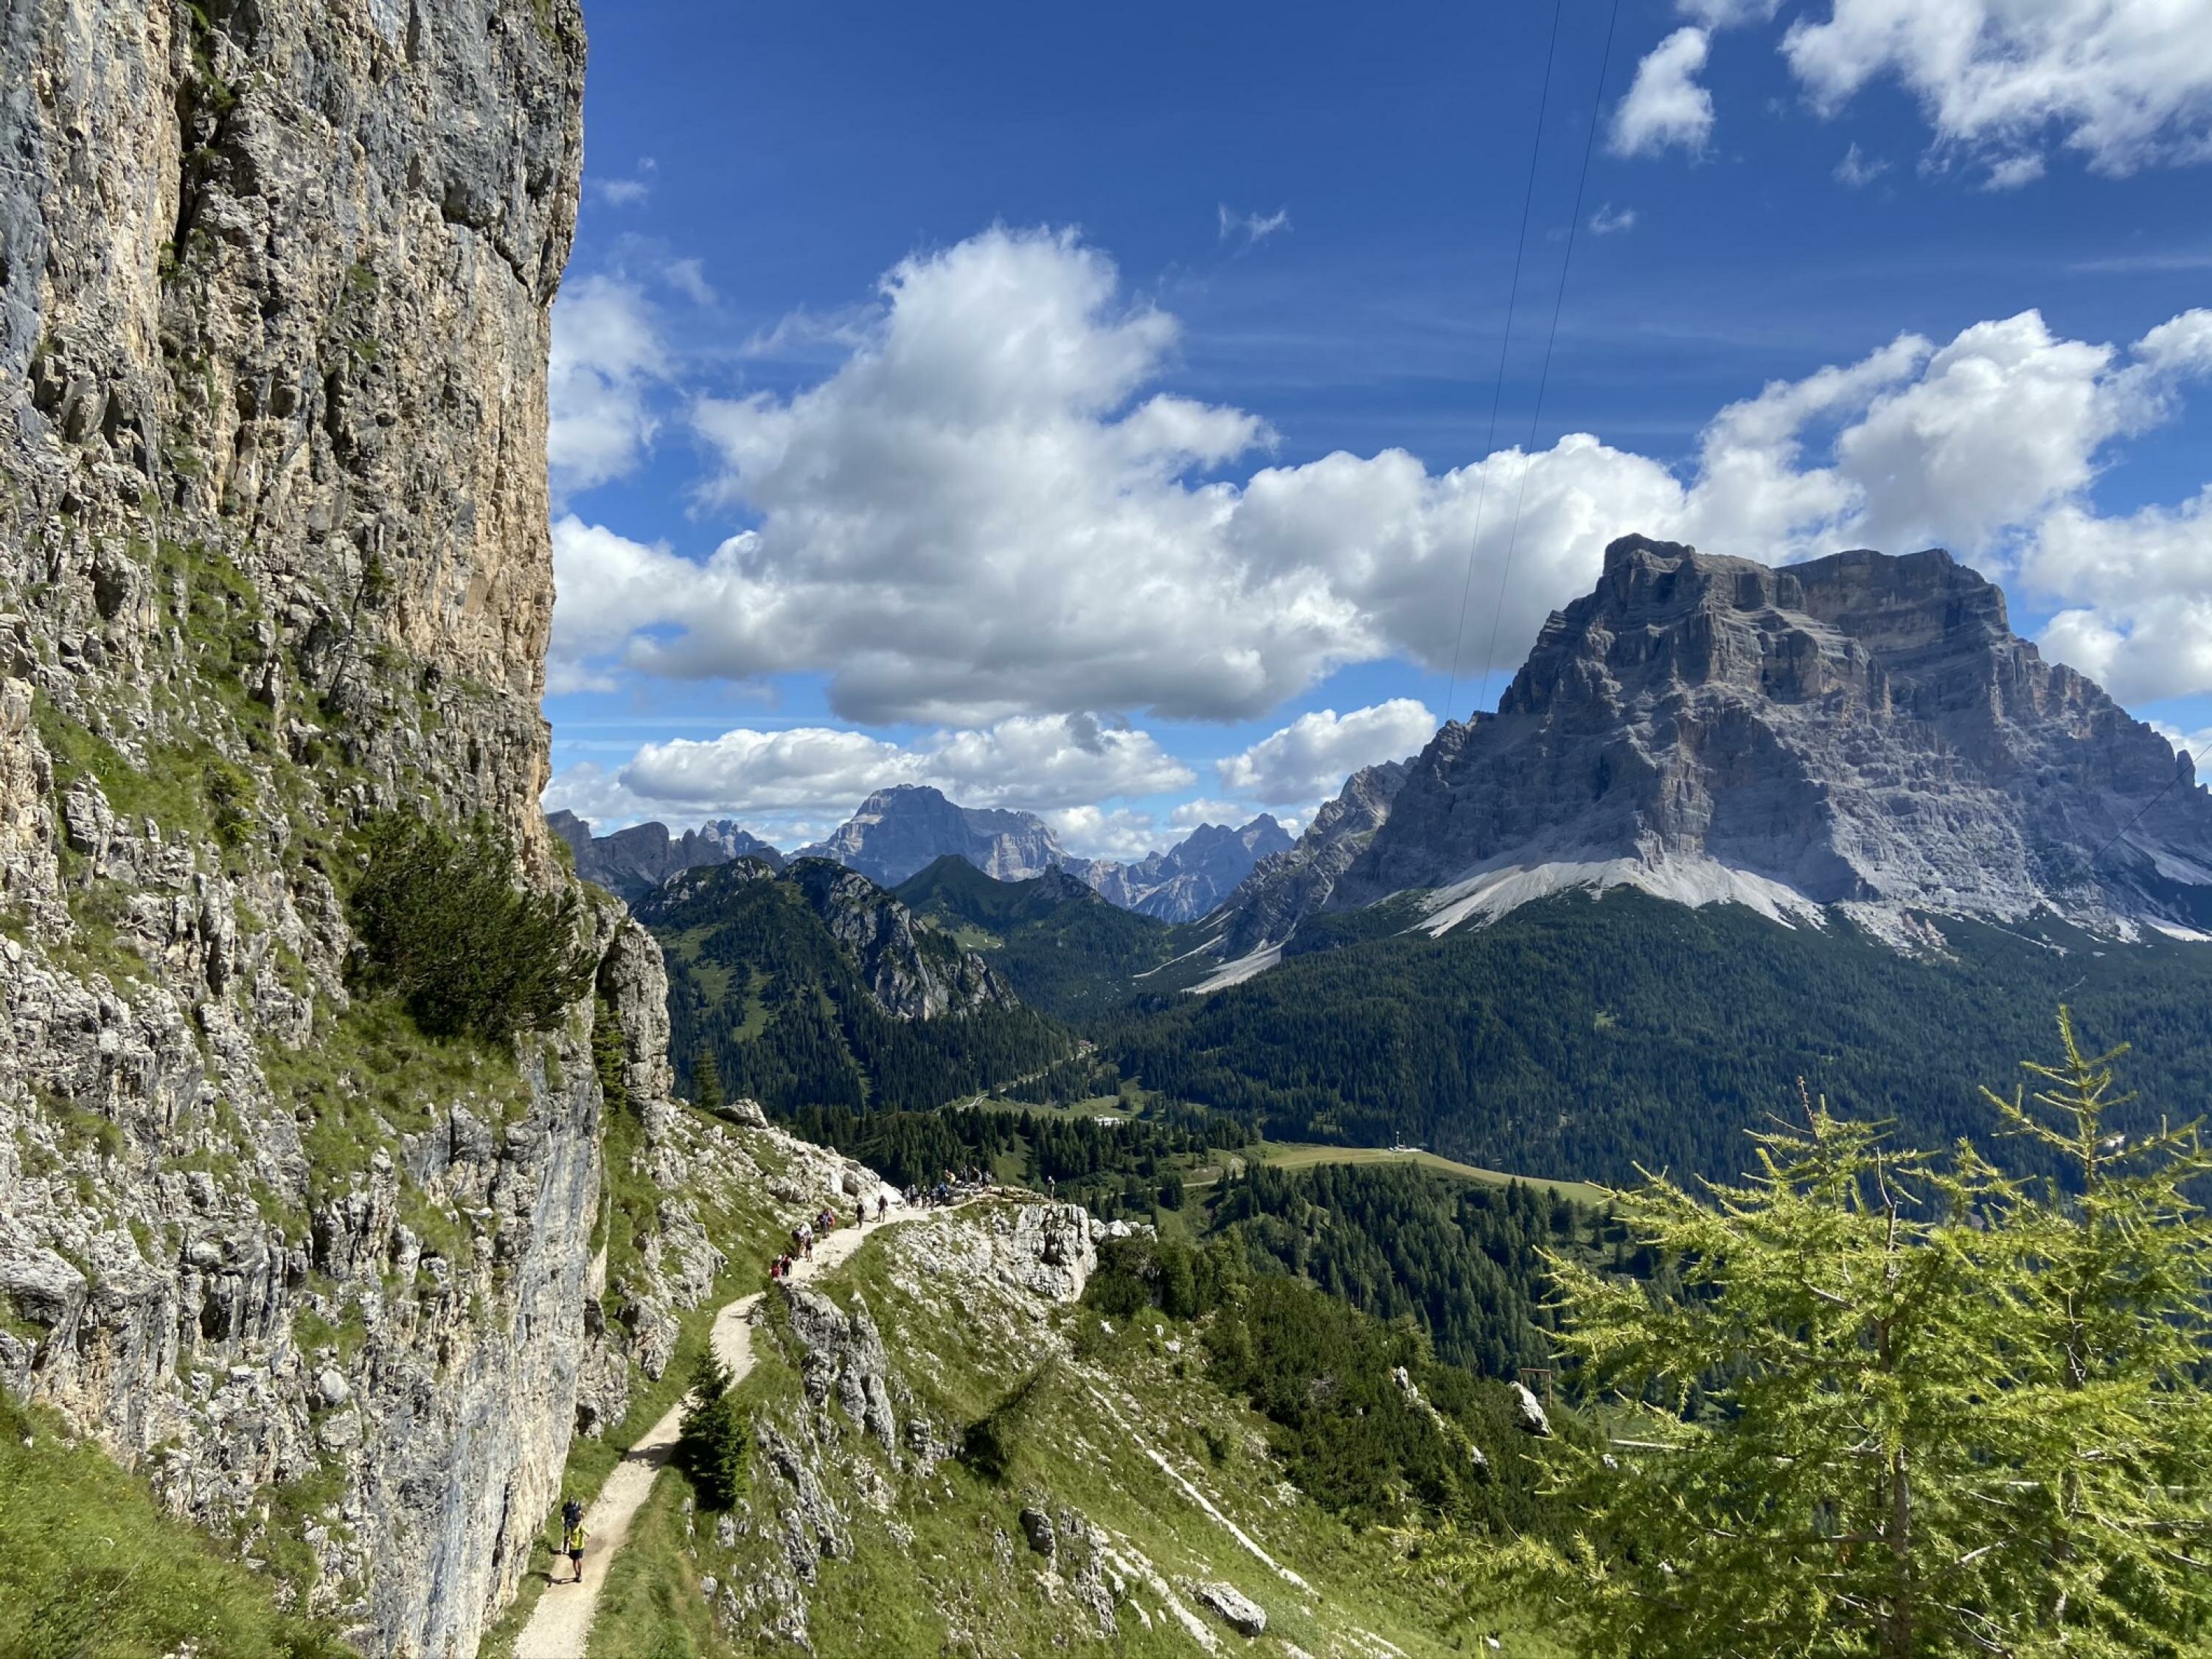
(1235,1609)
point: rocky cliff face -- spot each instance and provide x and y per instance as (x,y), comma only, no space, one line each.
(274,285)
(1284,886)
(1188,879)
(630,863)
(898,832)
(1861,730)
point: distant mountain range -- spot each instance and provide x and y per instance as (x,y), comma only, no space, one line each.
(898,833)
(632,862)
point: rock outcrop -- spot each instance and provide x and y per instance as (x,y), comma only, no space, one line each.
(1860,731)
(275,281)
(630,863)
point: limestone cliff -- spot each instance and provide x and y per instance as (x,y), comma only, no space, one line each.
(1860,731)
(274,288)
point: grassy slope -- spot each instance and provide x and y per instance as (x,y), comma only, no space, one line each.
(91,1567)
(938,1562)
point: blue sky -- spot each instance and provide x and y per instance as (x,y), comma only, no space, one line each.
(1095,416)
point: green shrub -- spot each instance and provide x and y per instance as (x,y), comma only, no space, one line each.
(445,929)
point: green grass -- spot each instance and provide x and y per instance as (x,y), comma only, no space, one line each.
(91,1567)
(942,1585)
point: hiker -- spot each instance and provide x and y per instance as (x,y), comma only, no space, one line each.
(572,1542)
(883,1204)
(860,1212)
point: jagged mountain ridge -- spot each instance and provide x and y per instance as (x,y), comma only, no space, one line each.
(911,971)
(898,833)
(631,862)
(1860,731)
(1189,879)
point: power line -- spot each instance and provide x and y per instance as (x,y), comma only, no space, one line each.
(1506,341)
(1544,376)
(2147,806)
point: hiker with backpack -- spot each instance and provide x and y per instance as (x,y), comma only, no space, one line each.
(572,1542)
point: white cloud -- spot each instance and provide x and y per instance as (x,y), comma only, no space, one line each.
(1727,14)
(1608,219)
(1858,169)
(1188,814)
(1664,105)
(983,510)
(1310,759)
(2126,83)
(2197,745)
(2143,628)
(1124,834)
(689,277)
(632,191)
(1252,227)
(607,351)
(1036,763)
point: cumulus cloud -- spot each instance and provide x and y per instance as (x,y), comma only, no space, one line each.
(985,510)
(1310,758)
(2124,83)
(2145,632)
(607,351)
(1664,106)
(1037,763)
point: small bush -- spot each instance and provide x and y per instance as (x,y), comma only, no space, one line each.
(712,1449)
(445,929)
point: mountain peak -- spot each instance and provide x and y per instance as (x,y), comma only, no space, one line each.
(1861,729)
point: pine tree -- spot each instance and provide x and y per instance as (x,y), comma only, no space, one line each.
(706,1080)
(712,1446)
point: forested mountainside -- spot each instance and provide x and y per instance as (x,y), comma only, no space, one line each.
(1061,946)
(1583,1036)
(814,987)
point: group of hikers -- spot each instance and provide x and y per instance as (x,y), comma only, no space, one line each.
(950,1188)
(825,1222)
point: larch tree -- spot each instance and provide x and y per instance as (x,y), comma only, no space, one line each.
(1945,1412)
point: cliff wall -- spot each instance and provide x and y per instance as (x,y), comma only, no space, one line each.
(275,278)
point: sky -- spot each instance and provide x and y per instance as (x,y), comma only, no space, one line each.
(1145,418)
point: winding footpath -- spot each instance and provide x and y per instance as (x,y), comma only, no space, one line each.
(560,1625)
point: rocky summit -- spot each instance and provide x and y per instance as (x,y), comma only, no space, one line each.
(898,832)
(1862,730)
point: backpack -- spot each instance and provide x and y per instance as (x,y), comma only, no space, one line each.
(571,1513)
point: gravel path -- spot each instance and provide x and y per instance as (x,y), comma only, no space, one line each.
(560,1625)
